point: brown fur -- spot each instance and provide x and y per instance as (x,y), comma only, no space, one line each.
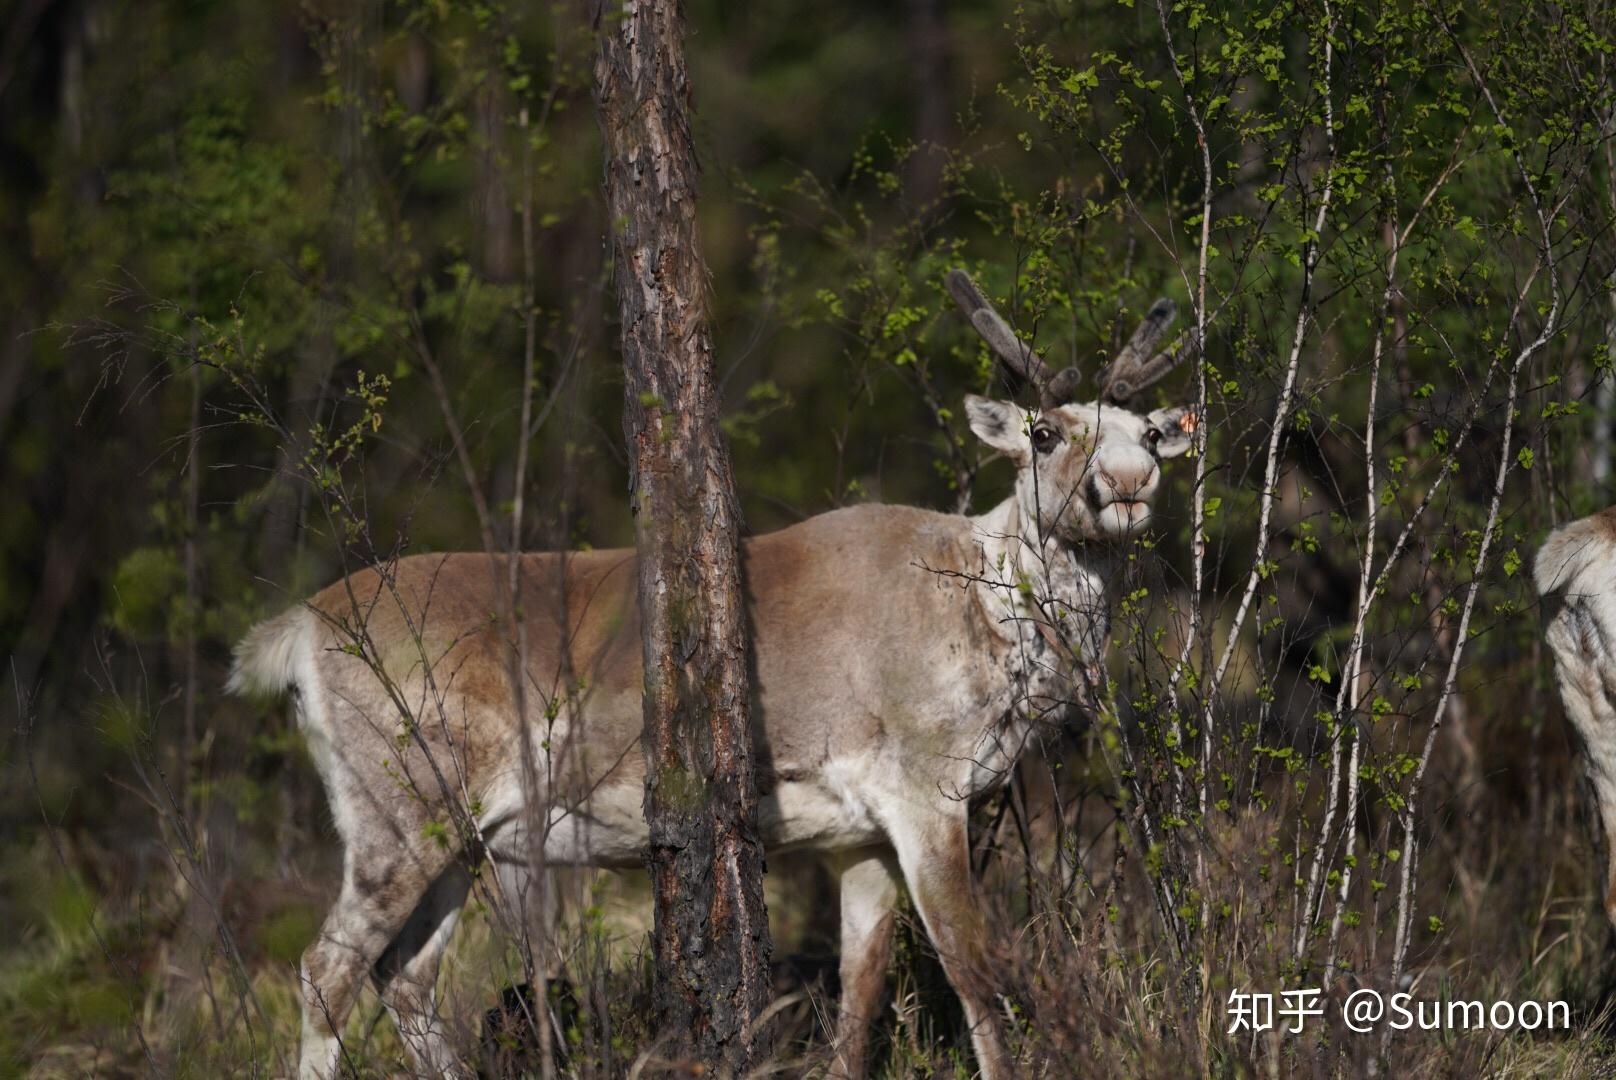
(814,592)
(1605,521)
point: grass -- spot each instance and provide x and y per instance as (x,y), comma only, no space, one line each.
(120,973)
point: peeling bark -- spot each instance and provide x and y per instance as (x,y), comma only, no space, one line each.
(705,858)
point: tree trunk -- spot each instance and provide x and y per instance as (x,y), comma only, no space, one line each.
(711,938)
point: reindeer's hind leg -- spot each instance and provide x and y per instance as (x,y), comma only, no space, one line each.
(383,883)
(406,976)
(869,884)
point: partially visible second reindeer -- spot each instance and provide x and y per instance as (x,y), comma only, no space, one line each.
(1576,574)
(902,660)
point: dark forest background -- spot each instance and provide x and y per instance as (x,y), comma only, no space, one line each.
(261,321)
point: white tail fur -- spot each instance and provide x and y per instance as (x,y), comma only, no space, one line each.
(266,659)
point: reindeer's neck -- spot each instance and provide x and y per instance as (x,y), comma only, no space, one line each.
(1048,585)
(1047,603)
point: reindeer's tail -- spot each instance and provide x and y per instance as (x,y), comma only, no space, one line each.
(268,658)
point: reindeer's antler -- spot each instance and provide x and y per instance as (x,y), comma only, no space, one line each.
(1119,380)
(1131,372)
(1053,390)
(1016,354)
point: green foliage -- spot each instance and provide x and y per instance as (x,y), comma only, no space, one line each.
(285,935)
(143,590)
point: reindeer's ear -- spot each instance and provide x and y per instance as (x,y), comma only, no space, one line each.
(1174,428)
(1000,424)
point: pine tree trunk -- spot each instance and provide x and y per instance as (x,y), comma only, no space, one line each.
(711,937)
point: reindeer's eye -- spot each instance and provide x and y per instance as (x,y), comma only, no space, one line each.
(1153,436)
(1044,439)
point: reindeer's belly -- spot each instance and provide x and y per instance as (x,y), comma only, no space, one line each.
(822,813)
(607,829)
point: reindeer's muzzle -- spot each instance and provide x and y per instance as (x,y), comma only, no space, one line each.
(1119,487)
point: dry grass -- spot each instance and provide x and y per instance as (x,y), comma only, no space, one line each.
(124,968)
(121,980)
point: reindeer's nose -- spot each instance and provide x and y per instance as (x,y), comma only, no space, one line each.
(1126,486)
(1123,480)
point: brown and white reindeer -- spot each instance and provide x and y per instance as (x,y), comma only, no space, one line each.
(902,661)
(1576,575)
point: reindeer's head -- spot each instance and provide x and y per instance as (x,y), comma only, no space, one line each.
(1083,471)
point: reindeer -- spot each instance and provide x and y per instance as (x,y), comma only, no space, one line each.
(1575,572)
(903,659)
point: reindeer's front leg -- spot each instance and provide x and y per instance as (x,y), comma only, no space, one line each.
(934,853)
(869,886)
